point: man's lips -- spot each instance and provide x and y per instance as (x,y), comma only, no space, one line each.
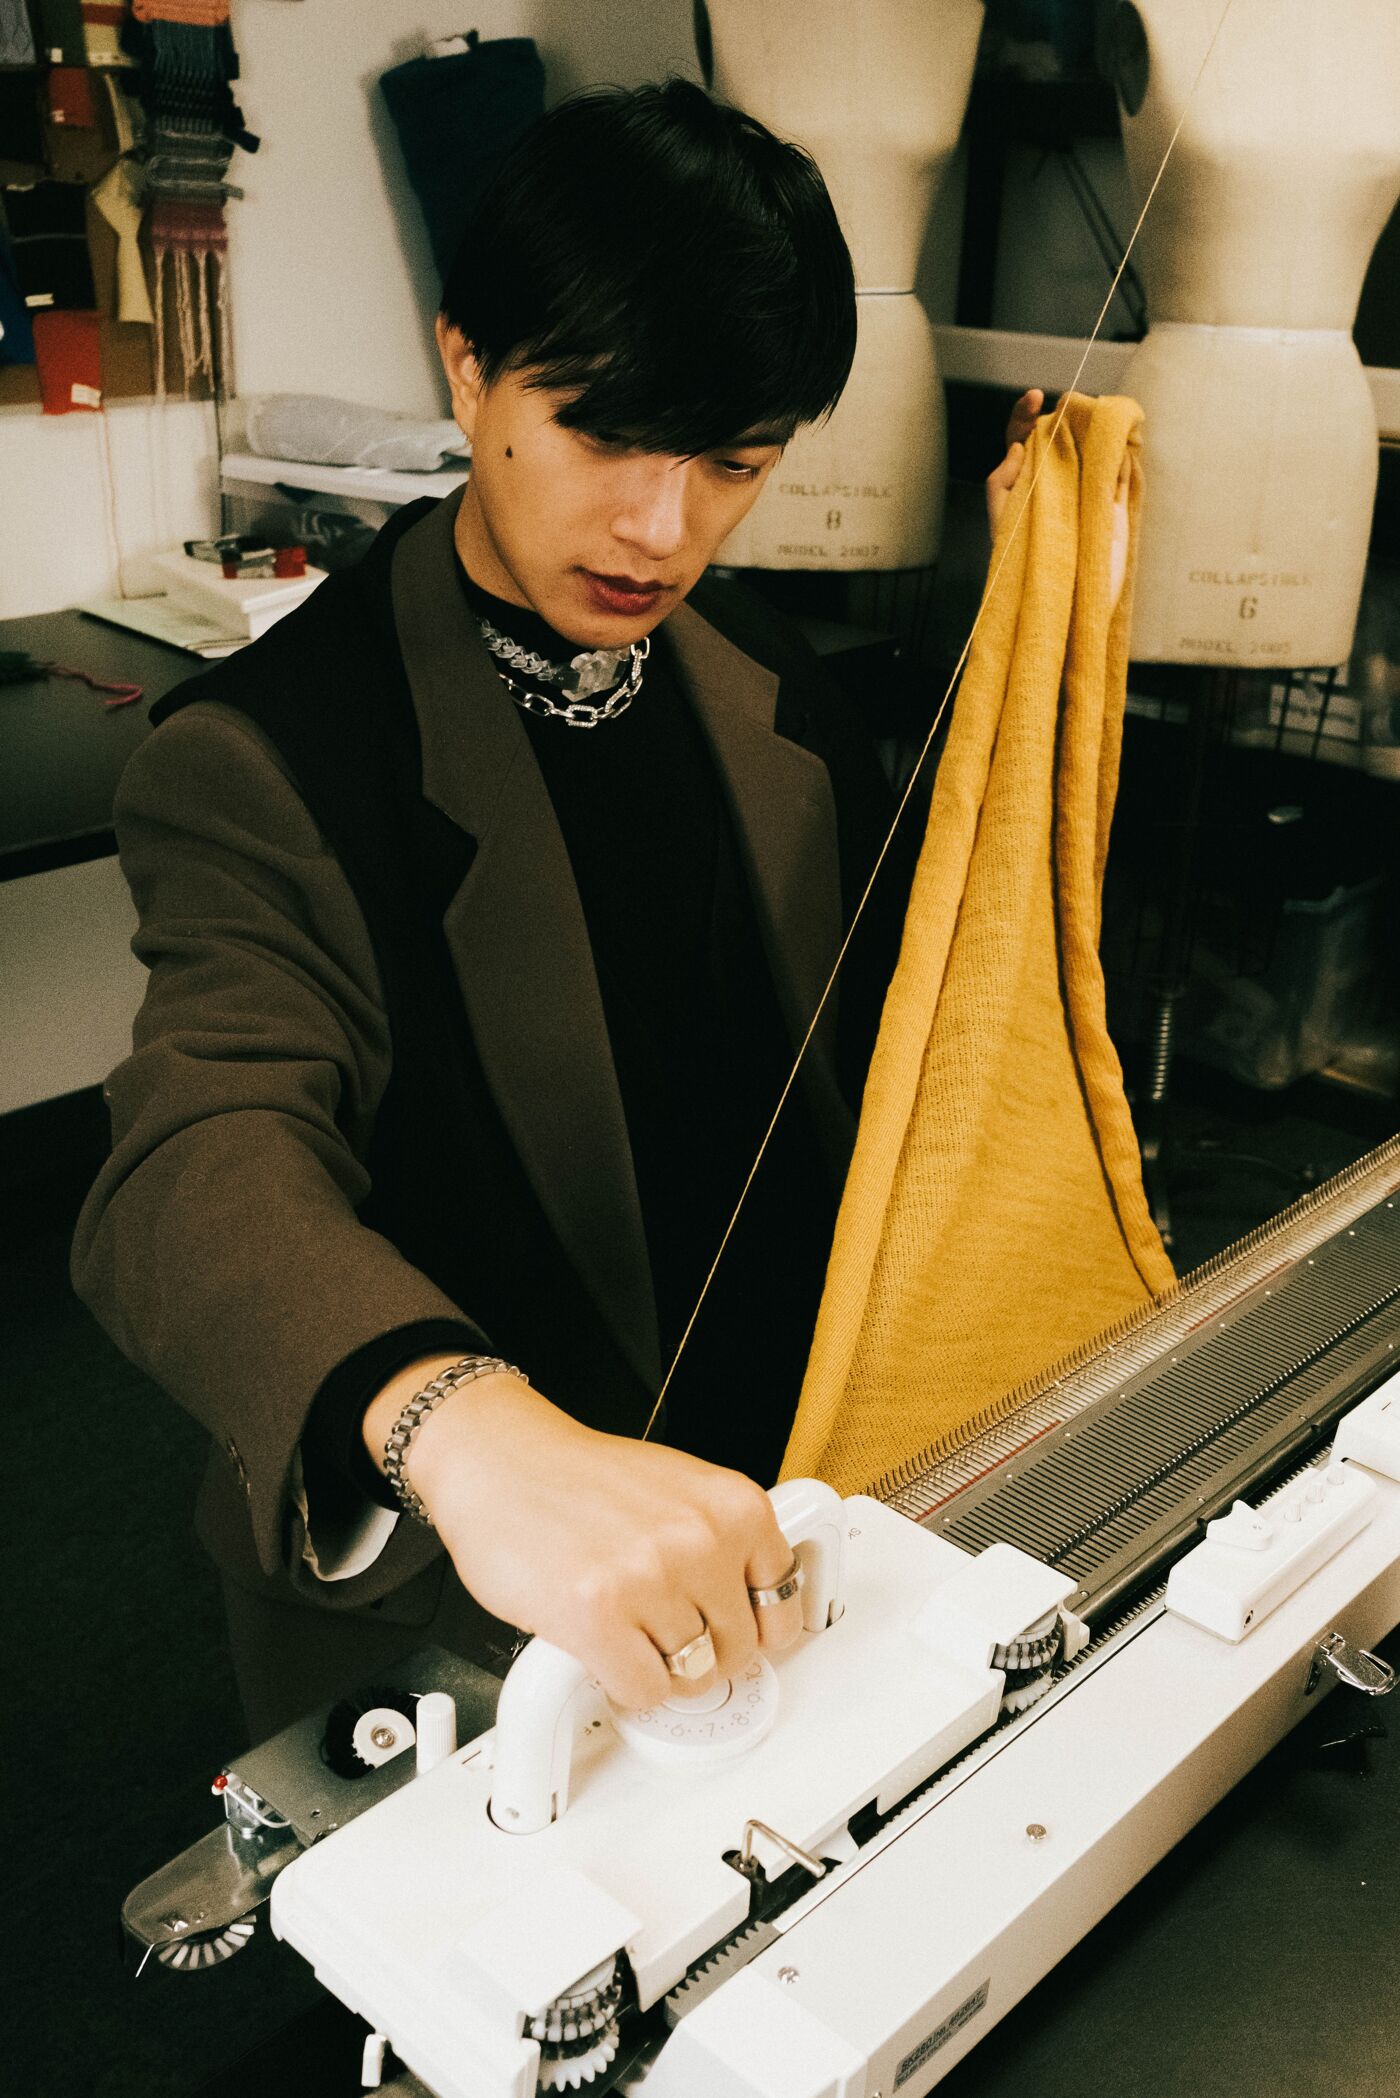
(620,593)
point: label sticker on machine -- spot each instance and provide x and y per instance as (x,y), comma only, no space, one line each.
(954,2022)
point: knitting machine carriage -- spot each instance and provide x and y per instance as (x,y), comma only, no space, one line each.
(1145,1567)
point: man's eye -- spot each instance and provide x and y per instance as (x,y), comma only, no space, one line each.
(739,470)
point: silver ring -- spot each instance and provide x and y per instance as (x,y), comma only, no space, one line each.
(693,1660)
(782,1591)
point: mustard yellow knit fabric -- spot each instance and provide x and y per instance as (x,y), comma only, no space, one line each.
(994,1215)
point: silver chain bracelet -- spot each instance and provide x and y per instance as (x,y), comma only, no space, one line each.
(416,1412)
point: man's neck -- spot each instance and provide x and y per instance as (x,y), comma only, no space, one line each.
(476,550)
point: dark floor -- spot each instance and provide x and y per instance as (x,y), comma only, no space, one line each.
(121,1682)
(124,1703)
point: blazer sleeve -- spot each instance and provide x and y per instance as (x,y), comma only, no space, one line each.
(220,1246)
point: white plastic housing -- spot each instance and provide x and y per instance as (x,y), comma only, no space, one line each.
(888,1973)
(446,1933)
(990,1601)
(1370,1433)
(1231,1582)
(436,1723)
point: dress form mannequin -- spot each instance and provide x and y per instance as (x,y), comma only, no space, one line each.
(1260,443)
(876,94)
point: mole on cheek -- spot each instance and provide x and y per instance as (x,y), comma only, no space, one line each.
(509,453)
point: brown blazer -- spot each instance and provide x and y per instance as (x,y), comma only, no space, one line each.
(221,1247)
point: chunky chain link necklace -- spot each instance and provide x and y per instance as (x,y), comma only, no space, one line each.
(595,671)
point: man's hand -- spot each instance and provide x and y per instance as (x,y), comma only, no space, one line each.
(616,1550)
(1003,478)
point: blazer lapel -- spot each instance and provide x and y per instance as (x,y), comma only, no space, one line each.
(520,946)
(784,814)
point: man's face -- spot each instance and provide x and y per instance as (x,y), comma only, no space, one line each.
(600,539)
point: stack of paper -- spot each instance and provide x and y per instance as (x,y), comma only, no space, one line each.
(240,606)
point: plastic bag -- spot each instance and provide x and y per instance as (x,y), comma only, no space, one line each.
(309,426)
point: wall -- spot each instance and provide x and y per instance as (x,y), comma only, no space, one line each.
(333,282)
(58,540)
(333,287)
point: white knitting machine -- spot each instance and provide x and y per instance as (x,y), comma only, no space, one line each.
(1021,1681)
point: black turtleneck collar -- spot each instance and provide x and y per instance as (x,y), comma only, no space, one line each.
(518,622)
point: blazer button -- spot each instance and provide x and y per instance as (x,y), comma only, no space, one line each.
(231,1452)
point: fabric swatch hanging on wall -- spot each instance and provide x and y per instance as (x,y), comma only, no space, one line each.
(456,116)
(68,351)
(71,98)
(16,328)
(120,197)
(102,32)
(60,24)
(48,226)
(994,1216)
(185,65)
(21,125)
(76,32)
(16,35)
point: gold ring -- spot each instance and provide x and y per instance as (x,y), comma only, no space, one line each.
(693,1660)
(782,1591)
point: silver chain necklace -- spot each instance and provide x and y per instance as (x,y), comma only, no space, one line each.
(593,671)
(583,713)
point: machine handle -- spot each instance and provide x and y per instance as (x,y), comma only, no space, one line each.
(534,1729)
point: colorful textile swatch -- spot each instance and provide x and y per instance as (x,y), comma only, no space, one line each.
(203,13)
(82,32)
(16,36)
(48,225)
(21,126)
(120,197)
(186,63)
(16,328)
(71,98)
(126,122)
(102,32)
(61,31)
(68,351)
(184,71)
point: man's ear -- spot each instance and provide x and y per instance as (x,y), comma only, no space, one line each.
(464,380)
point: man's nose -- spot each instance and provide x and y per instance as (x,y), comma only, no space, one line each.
(651,513)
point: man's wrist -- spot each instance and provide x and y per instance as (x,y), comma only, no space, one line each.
(388,1403)
(402,1458)
(451,1435)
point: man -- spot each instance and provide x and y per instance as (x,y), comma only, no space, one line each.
(486,901)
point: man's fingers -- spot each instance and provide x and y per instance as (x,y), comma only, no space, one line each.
(732,1628)
(1005,475)
(1000,483)
(779,1624)
(769,1566)
(670,1626)
(631,1670)
(1023,416)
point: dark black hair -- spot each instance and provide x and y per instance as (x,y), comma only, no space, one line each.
(669,261)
